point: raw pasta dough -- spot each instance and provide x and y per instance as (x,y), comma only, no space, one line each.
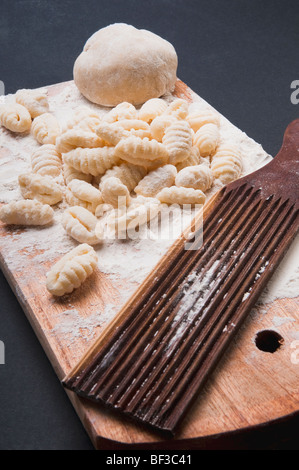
(121,63)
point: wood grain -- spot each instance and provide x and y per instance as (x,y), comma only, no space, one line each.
(249,389)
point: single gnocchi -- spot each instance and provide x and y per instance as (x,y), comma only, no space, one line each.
(77,138)
(176,195)
(156,180)
(201,117)
(26,212)
(46,161)
(80,224)
(151,109)
(128,219)
(178,108)
(206,139)
(15,117)
(115,193)
(34,101)
(92,161)
(41,188)
(89,124)
(45,129)
(122,111)
(196,177)
(129,174)
(80,193)
(71,270)
(178,141)
(141,151)
(227,164)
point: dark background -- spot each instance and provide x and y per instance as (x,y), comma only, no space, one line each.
(239,55)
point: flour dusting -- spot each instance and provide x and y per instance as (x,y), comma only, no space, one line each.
(126,263)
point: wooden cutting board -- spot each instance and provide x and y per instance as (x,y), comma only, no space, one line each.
(250,389)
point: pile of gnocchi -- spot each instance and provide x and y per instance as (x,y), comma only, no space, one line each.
(117,170)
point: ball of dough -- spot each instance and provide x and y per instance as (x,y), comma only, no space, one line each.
(121,63)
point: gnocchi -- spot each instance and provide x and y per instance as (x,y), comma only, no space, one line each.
(199,118)
(176,195)
(151,109)
(26,212)
(77,138)
(141,151)
(118,170)
(129,174)
(70,173)
(193,159)
(122,111)
(71,270)
(80,193)
(15,117)
(92,161)
(196,177)
(156,180)
(115,193)
(206,139)
(34,101)
(178,141)
(80,224)
(227,163)
(46,161)
(178,109)
(79,115)
(111,134)
(89,124)
(45,129)
(159,126)
(41,188)
(123,220)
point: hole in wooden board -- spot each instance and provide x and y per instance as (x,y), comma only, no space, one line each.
(268,341)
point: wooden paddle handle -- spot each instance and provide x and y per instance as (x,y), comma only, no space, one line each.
(280,176)
(289,152)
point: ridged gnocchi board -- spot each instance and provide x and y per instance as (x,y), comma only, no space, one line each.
(251,390)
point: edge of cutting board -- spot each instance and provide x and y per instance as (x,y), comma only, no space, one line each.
(229,413)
